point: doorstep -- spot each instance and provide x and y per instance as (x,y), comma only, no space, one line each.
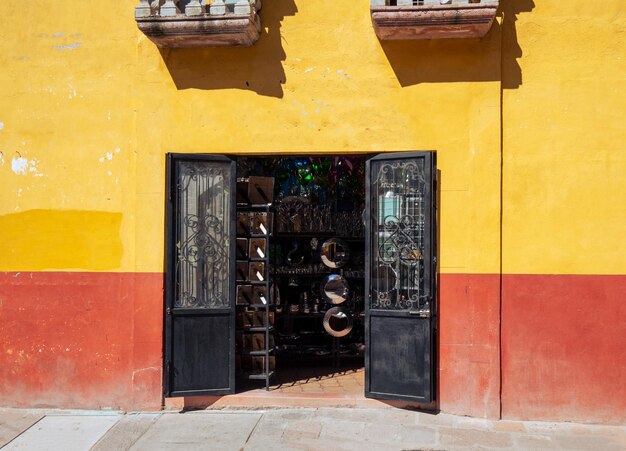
(261,399)
(299,388)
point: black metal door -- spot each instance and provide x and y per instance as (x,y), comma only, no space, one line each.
(200,266)
(400,276)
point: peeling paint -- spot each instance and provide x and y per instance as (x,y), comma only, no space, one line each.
(19,165)
(23,166)
(68,46)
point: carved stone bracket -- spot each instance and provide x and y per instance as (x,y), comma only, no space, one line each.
(433,19)
(221,23)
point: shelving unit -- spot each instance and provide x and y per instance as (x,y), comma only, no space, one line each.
(260,307)
(307,213)
(308,326)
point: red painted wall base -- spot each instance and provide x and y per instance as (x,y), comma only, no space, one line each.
(564,348)
(81,340)
(469,349)
(94,340)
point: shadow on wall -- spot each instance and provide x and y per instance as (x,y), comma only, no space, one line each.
(463,60)
(257,68)
(511,52)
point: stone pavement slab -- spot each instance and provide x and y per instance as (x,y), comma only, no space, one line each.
(207,430)
(326,429)
(126,432)
(14,422)
(64,432)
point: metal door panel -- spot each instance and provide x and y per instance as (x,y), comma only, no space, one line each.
(400,276)
(199,366)
(200,266)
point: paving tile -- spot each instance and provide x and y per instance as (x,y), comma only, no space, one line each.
(207,431)
(125,432)
(401,436)
(300,414)
(303,428)
(533,442)
(66,432)
(13,422)
(459,437)
(384,416)
(509,426)
(344,430)
(588,442)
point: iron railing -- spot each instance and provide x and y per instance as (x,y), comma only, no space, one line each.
(192,8)
(428,2)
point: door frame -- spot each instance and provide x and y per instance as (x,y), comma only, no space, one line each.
(170,252)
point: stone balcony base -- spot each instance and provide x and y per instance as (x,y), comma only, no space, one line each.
(433,21)
(201,31)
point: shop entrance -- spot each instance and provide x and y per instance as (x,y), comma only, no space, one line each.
(287,270)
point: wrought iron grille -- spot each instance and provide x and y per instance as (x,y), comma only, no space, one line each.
(202,234)
(398,220)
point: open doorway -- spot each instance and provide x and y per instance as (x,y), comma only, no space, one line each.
(291,269)
(315,252)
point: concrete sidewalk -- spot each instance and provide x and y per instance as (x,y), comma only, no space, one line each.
(292,429)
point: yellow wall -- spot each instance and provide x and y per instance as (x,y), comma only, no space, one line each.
(96,106)
(67,108)
(564,133)
(92,106)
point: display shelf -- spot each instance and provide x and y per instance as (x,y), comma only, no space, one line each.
(265,273)
(304,315)
(252,282)
(307,274)
(322,235)
(257,329)
(257,353)
(257,376)
(257,305)
(253,207)
(257,235)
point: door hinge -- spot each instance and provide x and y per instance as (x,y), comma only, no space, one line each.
(168,310)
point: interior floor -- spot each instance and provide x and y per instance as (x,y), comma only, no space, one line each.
(313,378)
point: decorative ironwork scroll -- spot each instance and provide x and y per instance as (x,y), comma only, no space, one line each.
(202,234)
(398,220)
